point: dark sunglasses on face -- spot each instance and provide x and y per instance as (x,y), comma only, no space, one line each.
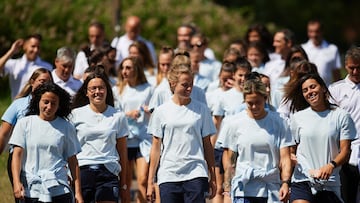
(197,44)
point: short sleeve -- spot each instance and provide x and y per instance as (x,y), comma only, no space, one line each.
(286,136)
(154,127)
(72,144)
(347,127)
(208,127)
(295,129)
(123,129)
(19,133)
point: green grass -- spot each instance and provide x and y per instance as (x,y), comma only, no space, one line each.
(6,192)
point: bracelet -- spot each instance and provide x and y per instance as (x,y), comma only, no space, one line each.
(288,182)
(333,163)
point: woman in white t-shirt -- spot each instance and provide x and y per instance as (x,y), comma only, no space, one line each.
(132,95)
(181,155)
(102,131)
(322,133)
(45,144)
(262,141)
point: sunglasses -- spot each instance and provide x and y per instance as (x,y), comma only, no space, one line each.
(197,44)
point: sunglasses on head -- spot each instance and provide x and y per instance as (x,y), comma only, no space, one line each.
(197,44)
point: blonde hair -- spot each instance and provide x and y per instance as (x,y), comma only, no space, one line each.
(163,50)
(139,73)
(180,65)
(254,86)
(27,89)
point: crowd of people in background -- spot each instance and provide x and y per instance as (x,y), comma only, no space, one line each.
(271,120)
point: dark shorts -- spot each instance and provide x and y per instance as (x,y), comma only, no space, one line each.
(134,153)
(302,190)
(194,190)
(98,184)
(65,198)
(250,200)
(218,159)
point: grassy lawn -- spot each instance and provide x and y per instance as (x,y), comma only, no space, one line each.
(6,193)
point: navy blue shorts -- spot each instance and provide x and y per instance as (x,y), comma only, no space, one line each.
(195,190)
(302,190)
(218,159)
(65,198)
(134,153)
(250,200)
(98,184)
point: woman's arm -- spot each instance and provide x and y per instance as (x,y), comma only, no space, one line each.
(210,160)
(154,162)
(121,147)
(15,169)
(325,171)
(5,131)
(75,173)
(285,167)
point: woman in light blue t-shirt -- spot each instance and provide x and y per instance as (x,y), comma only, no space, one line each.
(45,144)
(262,141)
(102,131)
(181,154)
(322,133)
(132,95)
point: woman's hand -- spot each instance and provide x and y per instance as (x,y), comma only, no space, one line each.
(150,192)
(19,191)
(325,172)
(79,198)
(284,193)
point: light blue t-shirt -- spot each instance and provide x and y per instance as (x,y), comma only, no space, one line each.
(47,146)
(163,93)
(134,98)
(228,102)
(16,110)
(181,129)
(97,134)
(258,144)
(318,135)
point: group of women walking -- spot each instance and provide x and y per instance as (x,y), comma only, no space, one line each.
(86,148)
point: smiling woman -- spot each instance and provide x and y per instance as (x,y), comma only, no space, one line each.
(102,132)
(46,118)
(319,150)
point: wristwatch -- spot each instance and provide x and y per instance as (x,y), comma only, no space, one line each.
(124,187)
(288,182)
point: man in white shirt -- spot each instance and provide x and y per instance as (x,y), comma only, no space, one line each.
(62,75)
(283,41)
(346,94)
(132,29)
(96,34)
(20,70)
(323,54)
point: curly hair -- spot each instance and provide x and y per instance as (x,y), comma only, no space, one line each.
(64,100)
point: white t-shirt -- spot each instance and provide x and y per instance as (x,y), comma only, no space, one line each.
(134,98)
(228,102)
(20,71)
(347,96)
(72,85)
(98,133)
(81,63)
(47,146)
(326,57)
(212,97)
(163,93)
(273,69)
(210,69)
(258,143)
(181,129)
(318,136)
(122,47)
